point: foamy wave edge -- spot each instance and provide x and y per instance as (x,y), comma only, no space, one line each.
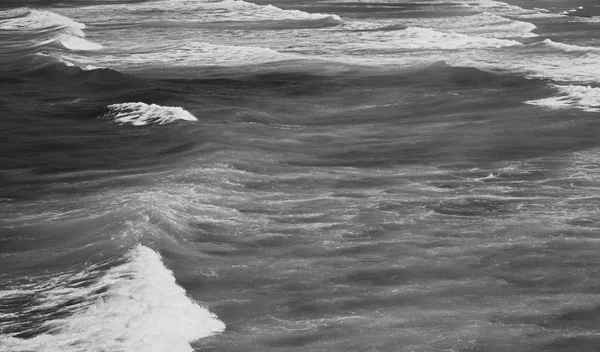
(572,96)
(141,114)
(143,309)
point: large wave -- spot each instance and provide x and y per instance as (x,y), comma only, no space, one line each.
(135,306)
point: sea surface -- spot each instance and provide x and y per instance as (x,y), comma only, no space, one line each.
(278,175)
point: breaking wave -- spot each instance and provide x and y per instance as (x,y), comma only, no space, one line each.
(572,96)
(138,307)
(140,114)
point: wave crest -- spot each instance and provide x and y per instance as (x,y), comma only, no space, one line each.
(140,114)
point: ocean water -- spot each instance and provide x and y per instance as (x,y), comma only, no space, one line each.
(278,175)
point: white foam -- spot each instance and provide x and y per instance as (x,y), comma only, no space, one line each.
(143,309)
(140,114)
(572,96)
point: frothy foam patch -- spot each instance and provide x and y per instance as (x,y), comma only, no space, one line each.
(140,114)
(572,96)
(143,309)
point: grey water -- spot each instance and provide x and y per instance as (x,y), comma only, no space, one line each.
(299,176)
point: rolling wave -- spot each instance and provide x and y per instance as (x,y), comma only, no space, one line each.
(135,306)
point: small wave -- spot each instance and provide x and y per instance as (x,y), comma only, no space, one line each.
(140,114)
(567,47)
(572,96)
(141,308)
(68,32)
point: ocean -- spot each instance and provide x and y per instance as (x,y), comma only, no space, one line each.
(278,175)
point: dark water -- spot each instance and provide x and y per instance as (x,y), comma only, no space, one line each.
(302,176)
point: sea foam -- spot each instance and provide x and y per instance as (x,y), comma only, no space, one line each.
(141,309)
(140,114)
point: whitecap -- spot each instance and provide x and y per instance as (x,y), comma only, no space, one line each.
(142,309)
(140,114)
